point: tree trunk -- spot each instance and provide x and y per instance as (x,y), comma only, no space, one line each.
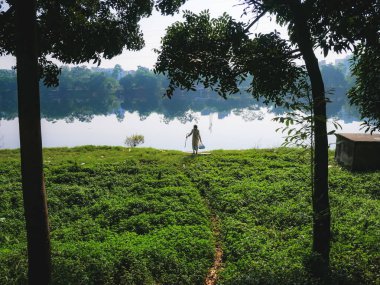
(34,195)
(321,207)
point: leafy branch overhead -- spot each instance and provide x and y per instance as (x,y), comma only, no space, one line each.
(75,32)
(366,92)
(219,54)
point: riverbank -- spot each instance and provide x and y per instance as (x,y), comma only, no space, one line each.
(144,216)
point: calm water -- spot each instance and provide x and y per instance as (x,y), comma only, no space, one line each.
(248,129)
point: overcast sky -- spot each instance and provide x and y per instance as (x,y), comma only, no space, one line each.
(154,28)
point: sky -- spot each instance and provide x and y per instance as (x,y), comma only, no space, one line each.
(154,28)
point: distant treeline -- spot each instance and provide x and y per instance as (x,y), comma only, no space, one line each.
(84,93)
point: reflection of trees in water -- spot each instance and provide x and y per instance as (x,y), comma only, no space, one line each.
(8,95)
(252,113)
(143,117)
(348,113)
(187,116)
(84,94)
(85,118)
(210,121)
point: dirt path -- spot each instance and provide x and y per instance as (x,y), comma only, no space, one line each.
(213,272)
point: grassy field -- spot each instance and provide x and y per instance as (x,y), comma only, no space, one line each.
(143,216)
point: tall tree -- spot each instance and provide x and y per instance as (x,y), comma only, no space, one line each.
(300,30)
(72,32)
(219,53)
(31,145)
(353,25)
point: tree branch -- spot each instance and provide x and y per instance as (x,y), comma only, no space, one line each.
(296,53)
(295,50)
(255,21)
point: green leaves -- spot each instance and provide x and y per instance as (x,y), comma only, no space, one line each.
(75,32)
(199,50)
(268,58)
(366,92)
(134,140)
(219,54)
(340,27)
(169,7)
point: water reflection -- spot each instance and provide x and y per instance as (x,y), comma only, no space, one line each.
(83,94)
(239,129)
(93,107)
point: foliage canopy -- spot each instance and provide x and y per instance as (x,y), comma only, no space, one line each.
(221,52)
(81,31)
(366,92)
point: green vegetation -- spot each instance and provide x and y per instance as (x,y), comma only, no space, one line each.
(263,200)
(117,217)
(134,140)
(142,216)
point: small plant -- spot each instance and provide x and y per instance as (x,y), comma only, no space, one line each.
(134,140)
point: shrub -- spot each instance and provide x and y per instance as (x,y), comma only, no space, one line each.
(134,140)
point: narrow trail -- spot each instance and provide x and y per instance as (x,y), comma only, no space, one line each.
(213,272)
